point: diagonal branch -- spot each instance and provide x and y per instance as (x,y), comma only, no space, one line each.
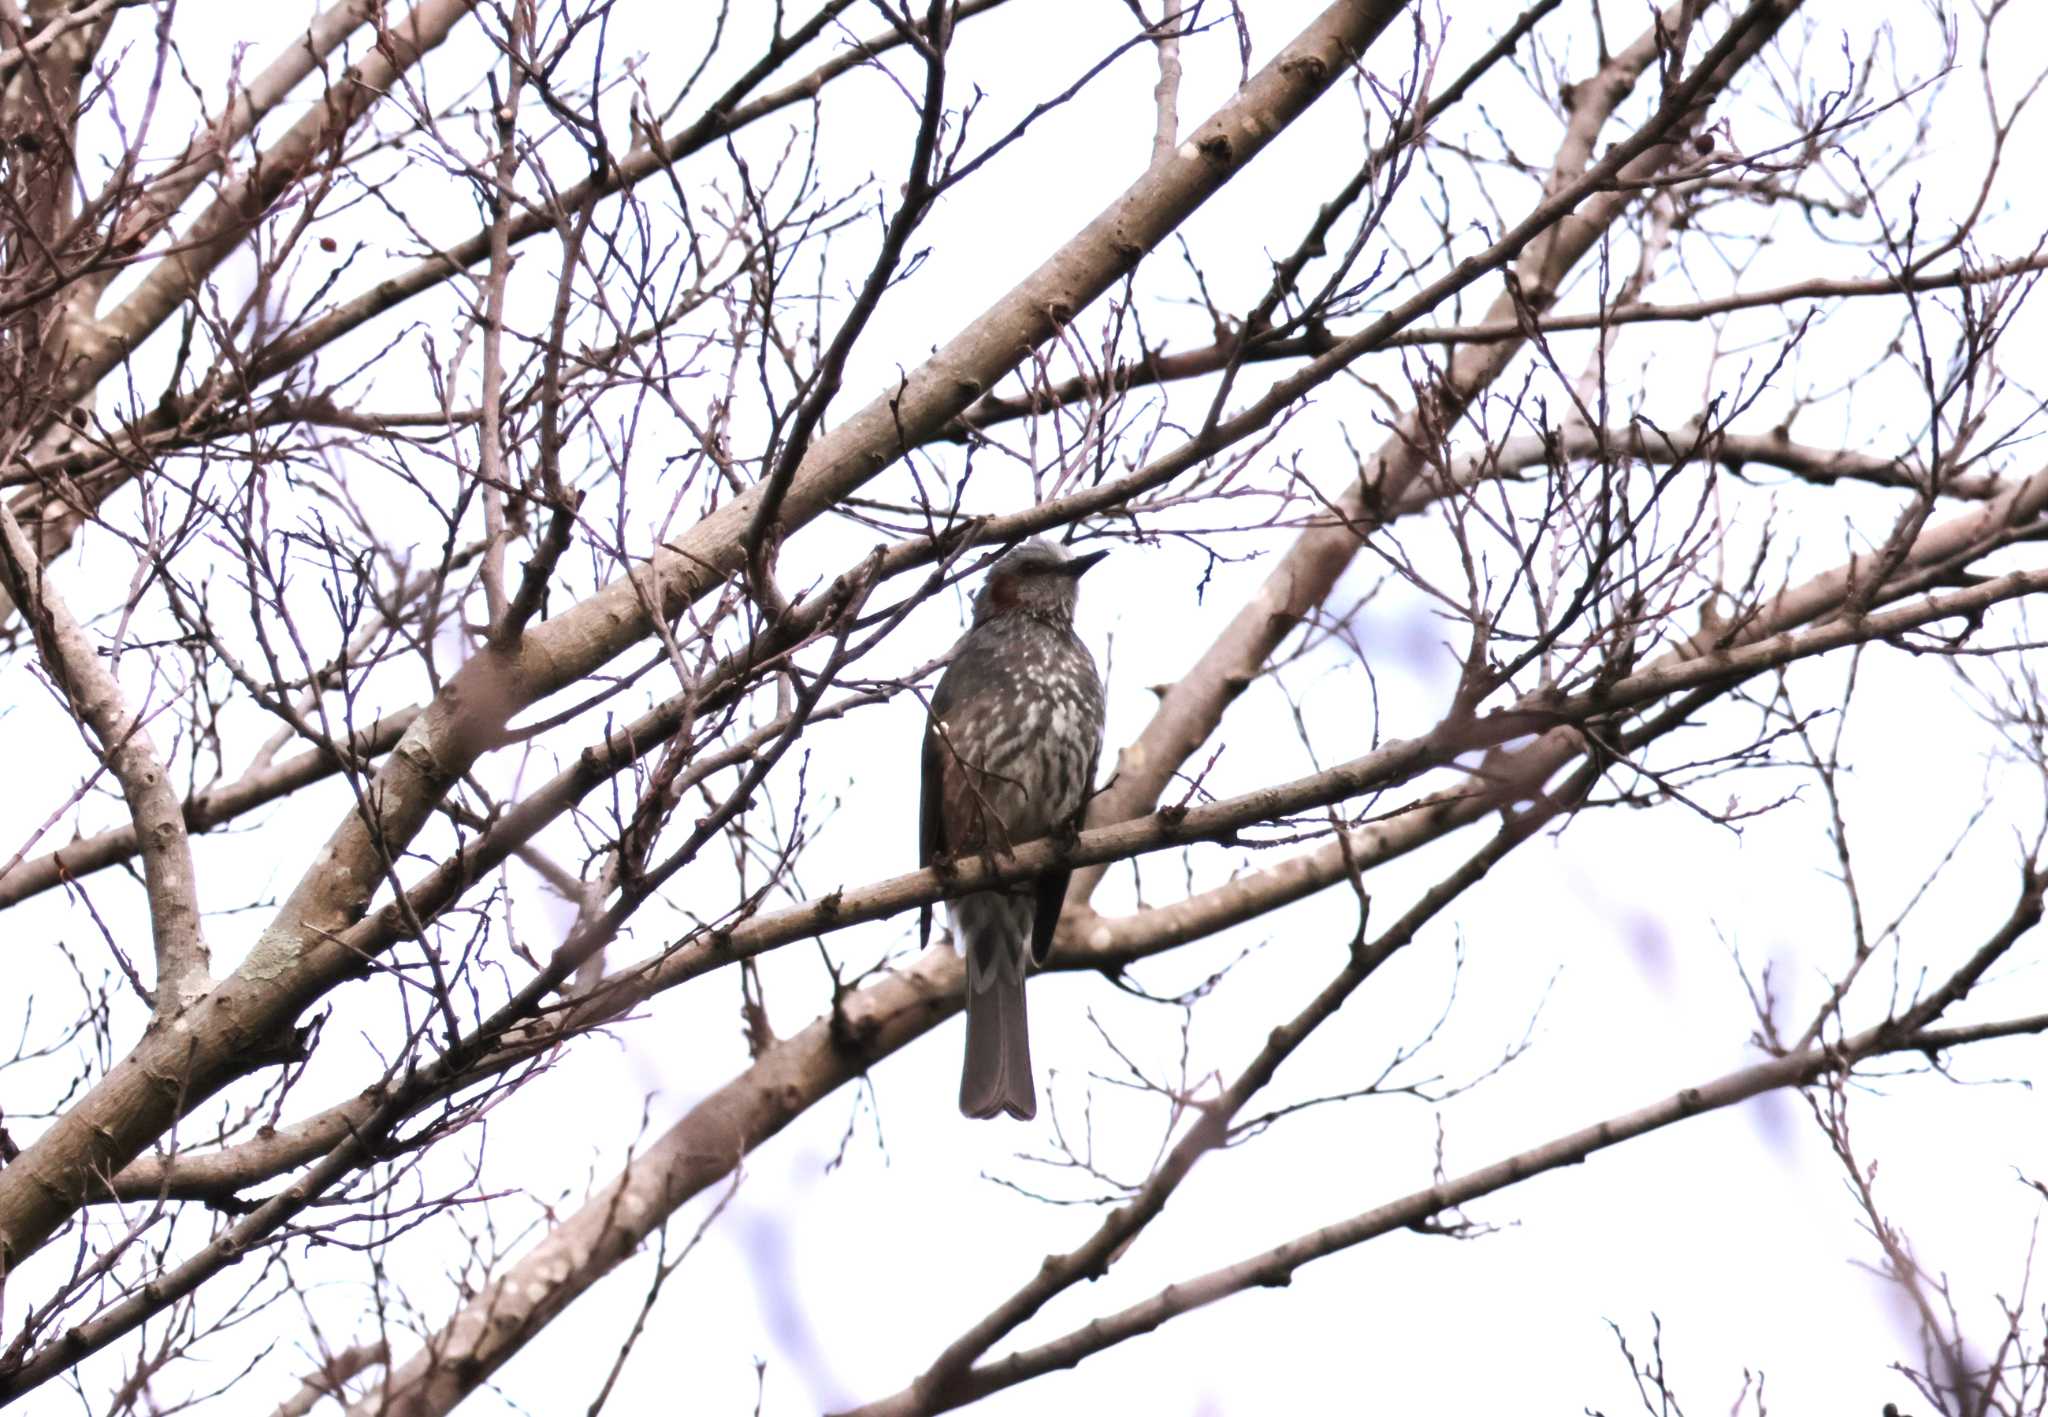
(1274,1268)
(1277,1266)
(159,201)
(726,116)
(1212,1128)
(220,228)
(211,808)
(1094,942)
(125,748)
(302,954)
(1168,366)
(1549,241)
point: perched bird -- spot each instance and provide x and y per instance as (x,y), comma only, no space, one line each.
(1009,756)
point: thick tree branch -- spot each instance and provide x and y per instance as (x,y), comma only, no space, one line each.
(1511,781)
(299,957)
(1547,242)
(125,747)
(1276,1267)
(211,808)
(158,203)
(1214,1118)
(243,202)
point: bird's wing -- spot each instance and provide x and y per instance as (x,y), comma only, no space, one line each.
(931,833)
(1049,892)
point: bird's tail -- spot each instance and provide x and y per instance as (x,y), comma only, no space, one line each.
(994,933)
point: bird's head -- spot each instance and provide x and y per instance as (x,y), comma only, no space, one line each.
(1037,578)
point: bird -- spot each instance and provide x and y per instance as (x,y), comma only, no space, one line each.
(1010,749)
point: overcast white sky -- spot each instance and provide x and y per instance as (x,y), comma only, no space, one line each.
(1735,1229)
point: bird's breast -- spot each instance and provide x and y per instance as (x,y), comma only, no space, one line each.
(1024,711)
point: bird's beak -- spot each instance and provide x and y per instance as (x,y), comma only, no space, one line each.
(1078,567)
